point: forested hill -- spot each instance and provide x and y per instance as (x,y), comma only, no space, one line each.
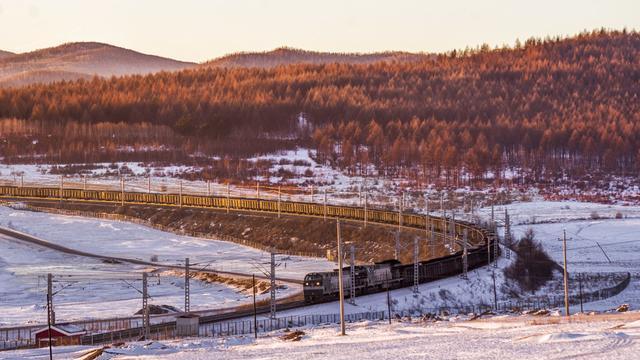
(289,56)
(540,100)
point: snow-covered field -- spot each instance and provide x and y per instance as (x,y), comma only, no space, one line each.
(489,338)
(99,290)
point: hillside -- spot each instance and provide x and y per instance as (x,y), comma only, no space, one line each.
(289,56)
(5,53)
(80,60)
(554,105)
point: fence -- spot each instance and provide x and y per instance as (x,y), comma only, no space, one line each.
(234,328)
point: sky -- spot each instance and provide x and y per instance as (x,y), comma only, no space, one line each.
(200,30)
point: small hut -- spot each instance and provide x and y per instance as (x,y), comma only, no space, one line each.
(61,334)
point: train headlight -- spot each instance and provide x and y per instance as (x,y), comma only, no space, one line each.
(318,283)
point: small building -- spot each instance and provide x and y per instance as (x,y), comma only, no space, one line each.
(187,324)
(61,334)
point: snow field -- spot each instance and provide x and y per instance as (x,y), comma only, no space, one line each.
(491,338)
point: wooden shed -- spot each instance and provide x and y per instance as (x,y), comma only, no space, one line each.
(61,334)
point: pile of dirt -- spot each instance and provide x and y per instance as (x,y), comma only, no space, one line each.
(159,309)
(293,336)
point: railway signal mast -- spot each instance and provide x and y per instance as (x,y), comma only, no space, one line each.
(187,299)
(465,262)
(507,235)
(145,307)
(340,279)
(416,267)
(352,275)
(272,279)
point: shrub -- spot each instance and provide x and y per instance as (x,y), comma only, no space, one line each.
(533,267)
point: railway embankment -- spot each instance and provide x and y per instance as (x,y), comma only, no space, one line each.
(287,234)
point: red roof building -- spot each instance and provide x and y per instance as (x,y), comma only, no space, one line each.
(60,335)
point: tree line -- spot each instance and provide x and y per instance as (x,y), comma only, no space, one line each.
(555,103)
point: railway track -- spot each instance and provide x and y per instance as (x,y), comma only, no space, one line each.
(478,237)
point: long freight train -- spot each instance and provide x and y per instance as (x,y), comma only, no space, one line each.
(323,286)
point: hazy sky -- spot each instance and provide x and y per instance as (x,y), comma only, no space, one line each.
(198,30)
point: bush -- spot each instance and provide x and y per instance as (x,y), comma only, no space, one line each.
(533,267)
(595,215)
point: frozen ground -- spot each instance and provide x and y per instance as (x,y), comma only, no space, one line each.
(491,338)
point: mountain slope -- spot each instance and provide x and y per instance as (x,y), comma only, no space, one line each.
(80,60)
(288,56)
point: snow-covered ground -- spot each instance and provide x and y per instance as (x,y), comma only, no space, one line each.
(123,239)
(89,289)
(490,338)
(99,290)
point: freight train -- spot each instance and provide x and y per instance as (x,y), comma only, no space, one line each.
(323,286)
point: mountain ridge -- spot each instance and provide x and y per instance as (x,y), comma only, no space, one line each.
(71,61)
(288,56)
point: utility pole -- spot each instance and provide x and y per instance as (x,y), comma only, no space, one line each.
(279,199)
(208,187)
(465,261)
(365,207)
(495,292)
(352,275)
(257,189)
(61,187)
(272,279)
(453,230)
(496,244)
(121,191)
(416,266)
(228,196)
(507,234)
(255,310)
(325,204)
(149,184)
(50,311)
(489,239)
(145,307)
(311,190)
(187,299)
(340,279)
(399,233)
(566,279)
(84,182)
(432,236)
(180,193)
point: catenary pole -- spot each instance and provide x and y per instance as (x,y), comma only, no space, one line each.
(566,280)
(340,279)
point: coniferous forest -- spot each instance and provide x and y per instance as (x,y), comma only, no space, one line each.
(550,106)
